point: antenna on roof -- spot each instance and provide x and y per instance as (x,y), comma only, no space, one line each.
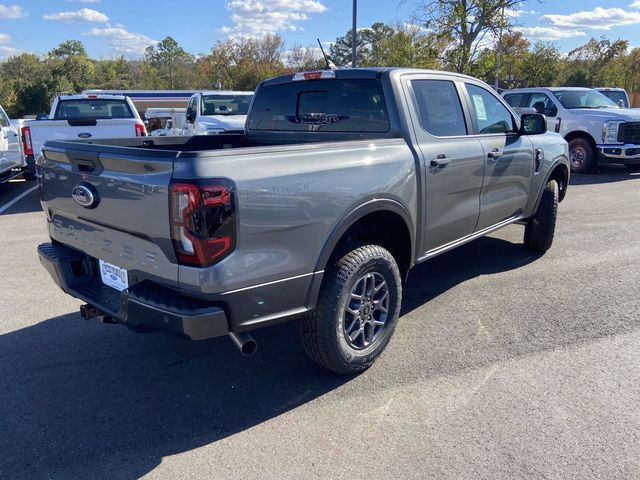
(329,64)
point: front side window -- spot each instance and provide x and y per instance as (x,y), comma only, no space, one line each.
(516,100)
(439,107)
(490,114)
(543,104)
(92,109)
(191,110)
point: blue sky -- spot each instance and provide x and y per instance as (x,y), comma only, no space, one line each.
(112,27)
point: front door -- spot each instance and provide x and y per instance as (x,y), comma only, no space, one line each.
(508,158)
(452,161)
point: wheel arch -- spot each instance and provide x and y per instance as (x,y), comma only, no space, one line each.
(397,236)
(582,134)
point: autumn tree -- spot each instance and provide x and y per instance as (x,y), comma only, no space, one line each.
(466,24)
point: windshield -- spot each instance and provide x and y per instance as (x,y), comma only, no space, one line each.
(93,109)
(571,99)
(615,96)
(225,104)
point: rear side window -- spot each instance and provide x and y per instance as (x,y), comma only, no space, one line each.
(332,105)
(92,108)
(491,115)
(439,107)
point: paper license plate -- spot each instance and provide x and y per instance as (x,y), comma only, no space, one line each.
(114,276)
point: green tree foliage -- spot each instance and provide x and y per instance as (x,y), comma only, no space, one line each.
(466,24)
(171,64)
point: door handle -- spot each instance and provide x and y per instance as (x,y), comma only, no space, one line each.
(495,153)
(440,161)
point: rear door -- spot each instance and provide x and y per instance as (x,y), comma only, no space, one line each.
(508,157)
(452,160)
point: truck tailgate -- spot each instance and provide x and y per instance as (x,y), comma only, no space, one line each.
(127,221)
(50,130)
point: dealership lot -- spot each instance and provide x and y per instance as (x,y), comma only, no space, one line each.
(504,365)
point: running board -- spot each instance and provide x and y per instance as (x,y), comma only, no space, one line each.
(470,238)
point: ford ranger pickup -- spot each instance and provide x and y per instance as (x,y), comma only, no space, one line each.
(342,181)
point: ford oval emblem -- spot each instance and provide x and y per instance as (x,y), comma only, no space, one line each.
(84,195)
(84,135)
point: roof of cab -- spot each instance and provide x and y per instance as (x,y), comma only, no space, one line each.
(370,72)
(91,96)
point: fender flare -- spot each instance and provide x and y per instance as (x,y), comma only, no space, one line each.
(371,206)
(552,168)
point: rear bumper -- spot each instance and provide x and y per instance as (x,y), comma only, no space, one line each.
(144,306)
(620,153)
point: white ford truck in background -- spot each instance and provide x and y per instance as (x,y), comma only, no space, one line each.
(12,162)
(74,117)
(596,128)
(217,111)
(618,95)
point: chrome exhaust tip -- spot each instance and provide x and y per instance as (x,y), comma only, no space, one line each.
(245,343)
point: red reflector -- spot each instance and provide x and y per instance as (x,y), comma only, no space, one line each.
(92,96)
(27,148)
(313,76)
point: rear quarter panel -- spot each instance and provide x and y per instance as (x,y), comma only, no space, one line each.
(291,198)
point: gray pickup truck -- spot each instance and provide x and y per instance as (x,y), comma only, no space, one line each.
(342,181)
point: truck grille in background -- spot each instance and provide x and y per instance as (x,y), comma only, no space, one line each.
(629,132)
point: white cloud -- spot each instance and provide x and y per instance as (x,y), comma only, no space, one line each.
(6,52)
(256,18)
(599,18)
(550,33)
(5,38)
(122,41)
(635,4)
(11,11)
(82,15)
(515,13)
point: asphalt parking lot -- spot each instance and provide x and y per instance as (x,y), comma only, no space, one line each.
(503,365)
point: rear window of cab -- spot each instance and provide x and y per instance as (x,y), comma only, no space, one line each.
(334,105)
(92,108)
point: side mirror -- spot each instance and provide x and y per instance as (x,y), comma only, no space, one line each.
(621,103)
(533,124)
(191,116)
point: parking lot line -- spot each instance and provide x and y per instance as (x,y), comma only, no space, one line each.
(8,205)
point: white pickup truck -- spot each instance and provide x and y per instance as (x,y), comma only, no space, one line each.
(217,111)
(73,117)
(12,161)
(597,129)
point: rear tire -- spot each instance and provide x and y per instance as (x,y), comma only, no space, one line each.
(582,156)
(540,229)
(357,310)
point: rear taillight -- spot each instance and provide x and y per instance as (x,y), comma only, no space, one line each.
(27,148)
(203,224)
(141,131)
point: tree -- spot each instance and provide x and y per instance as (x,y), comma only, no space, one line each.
(590,62)
(368,46)
(70,67)
(540,66)
(467,24)
(174,66)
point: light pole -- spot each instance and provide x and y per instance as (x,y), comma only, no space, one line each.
(499,52)
(353,34)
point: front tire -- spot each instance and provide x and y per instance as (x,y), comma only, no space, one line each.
(582,156)
(357,310)
(540,229)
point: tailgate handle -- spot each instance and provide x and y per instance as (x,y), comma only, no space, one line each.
(85,162)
